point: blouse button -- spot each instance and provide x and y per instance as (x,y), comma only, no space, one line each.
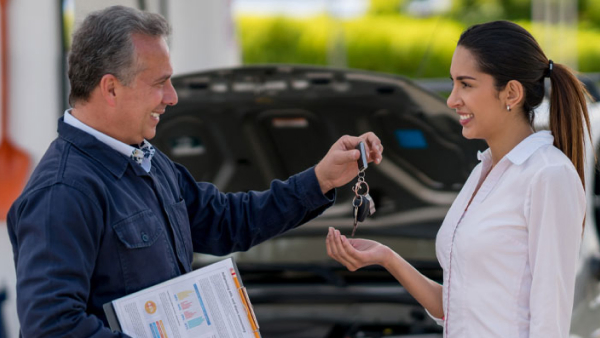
(144,237)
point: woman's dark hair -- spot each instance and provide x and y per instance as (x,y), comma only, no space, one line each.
(506,51)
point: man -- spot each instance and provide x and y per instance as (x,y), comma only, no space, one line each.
(101,218)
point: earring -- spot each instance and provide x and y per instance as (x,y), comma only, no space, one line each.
(508,107)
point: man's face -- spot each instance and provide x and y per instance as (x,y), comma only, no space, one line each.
(141,103)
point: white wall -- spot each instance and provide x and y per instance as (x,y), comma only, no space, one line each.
(203,33)
(206,39)
(202,38)
(34,63)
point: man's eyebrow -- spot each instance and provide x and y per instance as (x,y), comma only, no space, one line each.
(164,78)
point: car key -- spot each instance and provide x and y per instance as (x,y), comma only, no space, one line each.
(362,160)
(357,202)
(363,210)
(369,205)
(362,203)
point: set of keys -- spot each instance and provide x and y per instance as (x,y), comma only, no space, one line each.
(362,202)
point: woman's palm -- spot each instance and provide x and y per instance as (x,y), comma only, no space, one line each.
(368,252)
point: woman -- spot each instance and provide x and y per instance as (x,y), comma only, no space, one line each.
(510,241)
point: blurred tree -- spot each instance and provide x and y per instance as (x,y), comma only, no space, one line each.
(385,7)
(285,40)
(476,11)
(473,11)
(517,9)
(589,12)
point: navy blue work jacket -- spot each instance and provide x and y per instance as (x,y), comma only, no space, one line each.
(91,226)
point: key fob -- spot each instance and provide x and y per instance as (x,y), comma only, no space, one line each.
(363,209)
(362,160)
(371,204)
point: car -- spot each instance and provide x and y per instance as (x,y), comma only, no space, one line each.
(242,127)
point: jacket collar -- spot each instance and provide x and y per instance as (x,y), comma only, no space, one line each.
(111,159)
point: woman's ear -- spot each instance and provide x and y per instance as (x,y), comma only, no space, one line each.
(514,93)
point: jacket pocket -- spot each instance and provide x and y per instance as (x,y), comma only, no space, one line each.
(138,231)
(145,255)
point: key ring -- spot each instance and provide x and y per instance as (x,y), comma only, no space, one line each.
(354,201)
(356,188)
(361,175)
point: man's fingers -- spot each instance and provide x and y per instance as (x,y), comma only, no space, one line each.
(350,142)
(373,145)
(375,148)
(352,155)
(370,138)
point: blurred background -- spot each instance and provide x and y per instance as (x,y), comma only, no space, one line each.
(412,38)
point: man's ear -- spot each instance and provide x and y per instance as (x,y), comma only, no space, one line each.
(515,93)
(108,89)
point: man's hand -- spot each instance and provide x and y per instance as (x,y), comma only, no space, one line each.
(339,166)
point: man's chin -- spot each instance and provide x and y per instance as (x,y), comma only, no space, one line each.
(149,136)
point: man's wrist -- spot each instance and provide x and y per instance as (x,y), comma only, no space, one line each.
(325,185)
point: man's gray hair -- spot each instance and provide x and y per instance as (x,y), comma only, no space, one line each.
(103,45)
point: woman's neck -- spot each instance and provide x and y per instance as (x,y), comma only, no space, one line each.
(505,142)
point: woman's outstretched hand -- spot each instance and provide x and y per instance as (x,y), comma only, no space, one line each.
(355,253)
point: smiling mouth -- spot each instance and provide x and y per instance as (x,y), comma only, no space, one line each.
(463,117)
(155,115)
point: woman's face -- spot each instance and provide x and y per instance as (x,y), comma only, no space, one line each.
(475,98)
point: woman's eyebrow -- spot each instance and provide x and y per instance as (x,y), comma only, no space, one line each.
(462,77)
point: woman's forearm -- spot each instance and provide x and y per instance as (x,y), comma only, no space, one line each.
(426,291)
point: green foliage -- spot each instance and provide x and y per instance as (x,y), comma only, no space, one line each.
(386,43)
(517,9)
(393,44)
(476,11)
(589,51)
(589,12)
(586,44)
(284,40)
(385,7)
(401,45)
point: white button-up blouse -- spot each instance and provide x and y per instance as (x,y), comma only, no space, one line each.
(510,259)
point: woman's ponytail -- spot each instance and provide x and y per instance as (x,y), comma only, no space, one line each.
(569,118)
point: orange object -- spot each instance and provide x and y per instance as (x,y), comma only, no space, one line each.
(246,302)
(14,163)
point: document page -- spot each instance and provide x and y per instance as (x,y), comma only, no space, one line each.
(210,302)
